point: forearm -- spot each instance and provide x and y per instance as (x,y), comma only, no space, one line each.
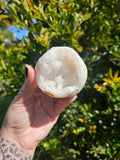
(12,151)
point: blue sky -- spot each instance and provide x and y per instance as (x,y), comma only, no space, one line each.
(19,33)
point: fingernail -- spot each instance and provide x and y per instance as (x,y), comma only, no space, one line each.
(26,72)
(74,98)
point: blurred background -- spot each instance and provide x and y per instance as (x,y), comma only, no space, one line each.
(89,129)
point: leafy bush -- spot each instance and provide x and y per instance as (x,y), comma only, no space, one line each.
(89,128)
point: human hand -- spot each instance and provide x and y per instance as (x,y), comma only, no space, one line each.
(32,114)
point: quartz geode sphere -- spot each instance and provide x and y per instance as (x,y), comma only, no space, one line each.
(61,72)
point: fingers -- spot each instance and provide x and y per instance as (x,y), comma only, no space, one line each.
(63,103)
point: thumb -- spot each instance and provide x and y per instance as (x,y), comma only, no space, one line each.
(29,85)
(30,81)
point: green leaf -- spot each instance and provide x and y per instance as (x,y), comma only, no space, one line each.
(2,5)
(3,16)
(25,5)
(81,129)
(20,25)
(26,42)
(26,22)
(109,152)
(3,64)
(13,11)
(7,22)
(37,15)
(110,74)
(86,17)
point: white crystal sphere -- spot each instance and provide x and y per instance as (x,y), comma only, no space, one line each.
(61,72)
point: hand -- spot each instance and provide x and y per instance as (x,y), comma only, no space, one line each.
(32,114)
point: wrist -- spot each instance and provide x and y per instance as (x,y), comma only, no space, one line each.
(10,146)
(10,150)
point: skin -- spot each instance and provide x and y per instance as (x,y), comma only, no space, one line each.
(31,115)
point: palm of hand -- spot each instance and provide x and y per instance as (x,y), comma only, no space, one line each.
(34,117)
(32,114)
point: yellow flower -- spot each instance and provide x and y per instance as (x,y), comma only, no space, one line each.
(96,48)
(80,49)
(75,131)
(100,88)
(86,106)
(109,81)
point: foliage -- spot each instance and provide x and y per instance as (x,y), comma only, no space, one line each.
(89,128)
